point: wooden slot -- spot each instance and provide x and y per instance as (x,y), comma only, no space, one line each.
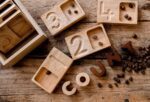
(118,11)
(1,1)
(9,14)
(87,42)
(63,16)
(5,8)
(52,70)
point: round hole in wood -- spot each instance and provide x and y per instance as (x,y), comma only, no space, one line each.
(82,79)
(69,87)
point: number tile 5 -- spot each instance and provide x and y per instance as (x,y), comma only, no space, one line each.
(87,42)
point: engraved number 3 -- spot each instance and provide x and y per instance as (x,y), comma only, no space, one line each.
(54,20)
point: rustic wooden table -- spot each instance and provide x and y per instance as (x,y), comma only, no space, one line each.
(15,82)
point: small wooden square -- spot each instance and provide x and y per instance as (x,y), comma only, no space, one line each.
(117,11)
(87,42)
(63,16)
(52,70)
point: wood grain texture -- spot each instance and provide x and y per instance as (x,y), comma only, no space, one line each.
(15,82)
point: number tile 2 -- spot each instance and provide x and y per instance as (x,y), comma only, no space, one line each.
(63,16)
(52,70)
(87,42)
(117,11)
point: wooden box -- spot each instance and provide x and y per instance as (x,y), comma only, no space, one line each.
(63,16)
(19,33)
(117,11)
(52,70)
(87,42)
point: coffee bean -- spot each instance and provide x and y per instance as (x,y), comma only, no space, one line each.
(122,7)
(121,75)
(135,36)
(116,84)
(99,85)
(127,82)
(131,5)
(48,72)
(117,80)
(143,72)
(126,100)
(110,86)
(131,79)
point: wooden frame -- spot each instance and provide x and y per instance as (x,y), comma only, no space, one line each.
(63,16)
(117,11)
(52,70)
(17,35)
(87,42)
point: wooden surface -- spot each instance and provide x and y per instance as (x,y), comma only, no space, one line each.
(15,82)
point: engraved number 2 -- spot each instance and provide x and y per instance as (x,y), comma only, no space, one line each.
(79,42)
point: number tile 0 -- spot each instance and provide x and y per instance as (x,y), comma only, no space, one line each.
(87,41)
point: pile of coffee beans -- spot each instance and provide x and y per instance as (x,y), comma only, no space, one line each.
(138,62)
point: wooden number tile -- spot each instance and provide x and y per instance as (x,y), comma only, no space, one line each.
(62,16)
(87,42)
(117,11)
(52,70)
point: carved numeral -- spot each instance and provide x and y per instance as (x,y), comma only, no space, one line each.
(77,40)
(54,20)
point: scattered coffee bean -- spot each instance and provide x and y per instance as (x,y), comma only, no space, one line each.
(100,44)
(126,16)
(76,12)
(121,75)
(131,79)
(73,5)
(129,18)
(126,100)
(110,86)
(95,37)
(127,82)
(122,7)
(48,72)
(131,5)
(116,84)
(69,12)
(99,85)
(135,36)
(143,72)
(117,80)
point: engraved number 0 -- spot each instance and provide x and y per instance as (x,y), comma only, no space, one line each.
(79,48)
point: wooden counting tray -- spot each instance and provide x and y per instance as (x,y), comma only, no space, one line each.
(63,16)
(52,70)
(87,42)
(117,11)
(19,33)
